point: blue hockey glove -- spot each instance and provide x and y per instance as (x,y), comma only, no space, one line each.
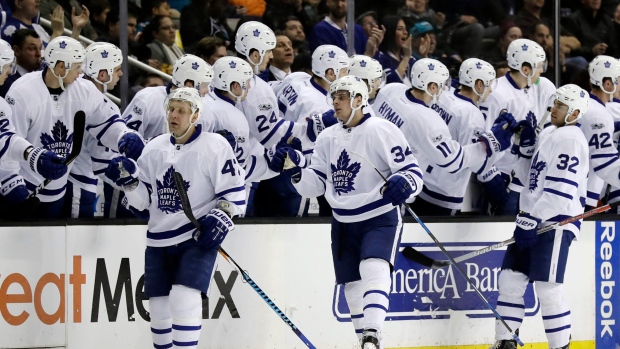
(213,229)
(123,171)
(495,190)
(14,190)
(288,141)
(497,139)
(131,145)
(318,122)
(397,189)
(525,232)
(293,158)
(229,137)
(46,163)
(505,116)
(527,141)
(277,159)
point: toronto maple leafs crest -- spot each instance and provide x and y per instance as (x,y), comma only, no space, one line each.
(104,54)
(478,65)
(607,64)
(535,169)
(233,65)
(62,44)
(431,66)
(332,54)
(344,173)
(363,64)
(256,32)
(59,141)
(582,94)
(524,47)
(168,200)
(195,65)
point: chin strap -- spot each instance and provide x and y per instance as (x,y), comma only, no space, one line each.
(188,127)
(62,84)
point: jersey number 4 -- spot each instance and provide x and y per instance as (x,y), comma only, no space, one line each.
(398,152)
(230,168)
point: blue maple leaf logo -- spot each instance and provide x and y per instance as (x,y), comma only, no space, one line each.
(343,174)
(59,141)
(478,65)
(332,54)
(431,66)
(531,119)
(168,200)
(233,65)
(607,64)
(524,47)
(535,169)
(363,64)
(104,54)
(195,66)
(582,94)
(256,32)
(62,44)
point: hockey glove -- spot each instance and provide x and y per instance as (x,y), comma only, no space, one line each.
(505,116)
(124,172)
(277,158)
(527,141)
(213,229)
(497,139)
(131,145)
(14,190)
(229,137)
(397,189)
(318,122)
(525,232)
(495,188)
(46,163)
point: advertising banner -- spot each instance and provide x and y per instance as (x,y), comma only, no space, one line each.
(607,301)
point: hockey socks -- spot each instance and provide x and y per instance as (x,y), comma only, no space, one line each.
(186,309)
(376,287)
(555,313)
(510,303)
(353,294)
(161,322)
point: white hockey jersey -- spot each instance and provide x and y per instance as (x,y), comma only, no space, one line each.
(613,107)
(466,123)
(145,113)
(12,146)
(211,174)
(558,171)
(431,142)
(46,120)
(220,114)
(351,185)
(597,126)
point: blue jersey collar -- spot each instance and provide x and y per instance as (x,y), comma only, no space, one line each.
(512,82)
(318,87)
(597,99)
(410,97)
(364,118)
(458,95)
(223,97)
(168,87)
(616,100)
(192,138)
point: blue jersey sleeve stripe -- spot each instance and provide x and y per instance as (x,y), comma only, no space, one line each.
(83,179)
(171,233)
(362,209)
(484,164)
(101,161)
(320,174)
(6,146)
(562,180)
(599,156)
(231,190)
(558,193)
(274,129)
(600,167)
(453,160)
(252,166)
(105,129)
(592,195)
(460,165)
(441,197)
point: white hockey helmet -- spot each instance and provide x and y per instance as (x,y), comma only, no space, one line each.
(474,69)
(63,49)
(603,67)
(368,69)
(254,35)
(355,86)
(329,57)
(189,95)
(101,56)
(428,70)
(194,68)
(231,69)
(7,57)
(526,51)
(575,98)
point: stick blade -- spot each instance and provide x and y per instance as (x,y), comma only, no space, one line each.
(414,255)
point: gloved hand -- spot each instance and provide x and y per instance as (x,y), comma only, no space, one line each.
(527,141)
(277,158)
(131,145)
(497,139)
(495,189)
(124,172)
(293,158)
(397,189)
(525,232)
(318,122)
(505,116)
(288,141)
(229,137)
(46,163)
(14,190)
(213,229)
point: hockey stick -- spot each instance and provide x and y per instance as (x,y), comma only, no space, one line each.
(187,209)
(456,266)
(416,256)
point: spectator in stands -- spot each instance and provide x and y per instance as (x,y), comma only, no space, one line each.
(421,40)
(150,9)
(368,20)
(159,36)
(333,30)
(509,31)
(22,13)
(211,49)
(152,80)
(501,69)
(293,28)
(249,9)
(541,34)
(27,46)
(283,57)
(113,34)
(594,30)
(417,11)
(73,12)
(98,12)
(204,18)
(395,45)
(280,10)
(530,15)
(617,25)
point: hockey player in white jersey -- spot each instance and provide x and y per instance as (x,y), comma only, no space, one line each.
(370,71)
(555,190)
(430,137)
(179,259)
(44,104)
(146,115)
(459,110)
(367,224)
(14,148)
(524,94)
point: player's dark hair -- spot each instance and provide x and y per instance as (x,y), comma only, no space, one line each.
(113,16)
(302,62)
(525,64)
(208,45)
(21,35)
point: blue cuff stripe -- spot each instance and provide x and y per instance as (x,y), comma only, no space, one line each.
(592,195)
(460,165)
(549,317)
(163,346)
(186,328)
(101,161)
(231,190)
(408,167)
(510,305)
(562,180)
(558,193)
(161,331)
(83,179)
(453,160)
(361,330)
(557,329)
